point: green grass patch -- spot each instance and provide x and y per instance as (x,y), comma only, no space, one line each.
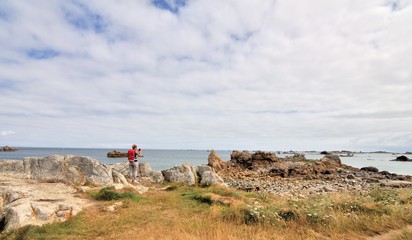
(109,194)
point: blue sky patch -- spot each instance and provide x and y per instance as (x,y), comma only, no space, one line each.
(6,85)
(170,5)
(82,17)
(241,37)
(3,15)
(42,53)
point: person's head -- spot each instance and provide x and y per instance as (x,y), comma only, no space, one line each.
(134,146)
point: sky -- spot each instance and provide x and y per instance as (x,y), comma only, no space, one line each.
(207,74)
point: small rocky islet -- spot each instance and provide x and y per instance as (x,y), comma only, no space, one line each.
(402,159)
(8,149)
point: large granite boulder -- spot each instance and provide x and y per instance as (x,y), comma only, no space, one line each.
(331,159)
(182,173)
(210,178)
(144,169)
(69,169)
(215,161)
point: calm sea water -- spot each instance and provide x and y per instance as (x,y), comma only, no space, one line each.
(163,159)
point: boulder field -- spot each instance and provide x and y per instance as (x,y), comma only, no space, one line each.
(297,177)
(43,190)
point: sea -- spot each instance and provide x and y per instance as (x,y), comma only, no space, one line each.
(161,159)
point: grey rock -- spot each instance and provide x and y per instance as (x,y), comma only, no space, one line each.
(370,169)
(350,176)
(122,168)
(182,173)
(395,183)
(73,169)
(156,176)
(210,178)
(13,168)
(200,169)
(144,169)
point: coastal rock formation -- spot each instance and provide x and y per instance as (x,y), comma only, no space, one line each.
(8,149)
(73,170)
(42,190)
(403,159)
(215,161)
(297,177)
(252,161)
(70,169)
(36,203)
(116,154)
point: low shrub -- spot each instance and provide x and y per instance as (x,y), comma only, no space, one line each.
(288,214)
(386,196)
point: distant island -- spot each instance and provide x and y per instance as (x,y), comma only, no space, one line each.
(116,154)
(402,159)
(8,149)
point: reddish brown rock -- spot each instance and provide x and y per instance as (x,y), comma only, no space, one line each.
(8,149)
(215,161)
(116,154)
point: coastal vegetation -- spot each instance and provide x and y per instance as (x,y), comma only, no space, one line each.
(177,211)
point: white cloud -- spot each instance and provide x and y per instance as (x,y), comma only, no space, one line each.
(7,133)
(215,74)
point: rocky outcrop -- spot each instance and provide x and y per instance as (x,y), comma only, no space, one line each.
(36,203)
(403,159)
(294,176)
(72,170)
(42,190)
(116,154)
(8,149)
(252,161)
(215,161)
(69,169)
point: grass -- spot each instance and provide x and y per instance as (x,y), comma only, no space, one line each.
(109,194)
(190,212)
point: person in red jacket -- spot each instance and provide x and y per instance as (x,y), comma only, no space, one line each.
(132,155)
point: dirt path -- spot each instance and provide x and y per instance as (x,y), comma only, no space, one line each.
(391,234)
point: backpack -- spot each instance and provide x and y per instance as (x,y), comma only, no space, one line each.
(131,155)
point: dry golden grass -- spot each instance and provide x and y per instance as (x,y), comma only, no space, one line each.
(195,213)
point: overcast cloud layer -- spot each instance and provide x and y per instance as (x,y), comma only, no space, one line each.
(202,74)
